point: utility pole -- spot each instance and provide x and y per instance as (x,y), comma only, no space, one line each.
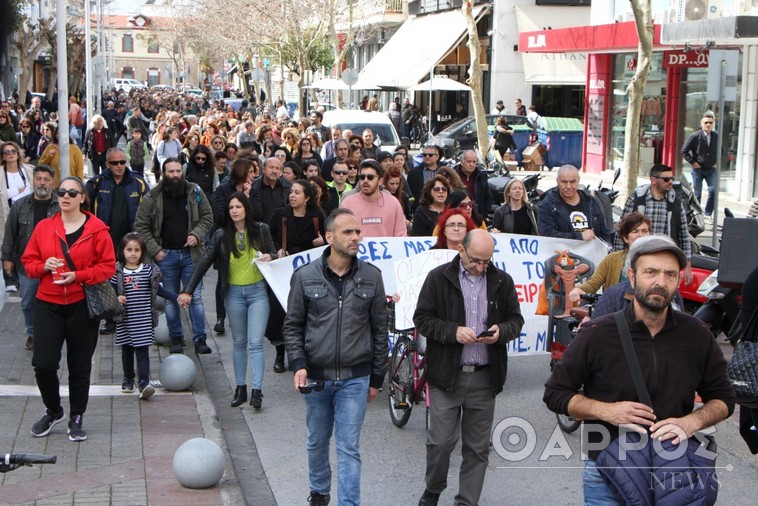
(63,126)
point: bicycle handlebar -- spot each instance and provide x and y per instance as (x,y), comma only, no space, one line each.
(27,459)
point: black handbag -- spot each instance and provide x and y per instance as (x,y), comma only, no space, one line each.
(646,475)
(743,366)
(102,300)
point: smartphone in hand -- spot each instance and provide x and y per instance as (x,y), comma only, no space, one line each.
(486,333)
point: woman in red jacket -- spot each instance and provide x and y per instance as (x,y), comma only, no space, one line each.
(61,311)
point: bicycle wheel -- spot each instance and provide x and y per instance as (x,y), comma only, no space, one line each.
(567,423)
(401,383)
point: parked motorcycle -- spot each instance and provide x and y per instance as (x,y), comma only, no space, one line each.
(498,183)
(721,307)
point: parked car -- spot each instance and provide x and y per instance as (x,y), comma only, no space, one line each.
(385,135)
(461,135)
(127,85)
(162,87)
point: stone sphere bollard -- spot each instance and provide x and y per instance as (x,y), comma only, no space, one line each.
(177,372)
(161,331)
(199,463)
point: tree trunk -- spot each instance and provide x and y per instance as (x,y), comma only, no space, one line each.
(475,81)
(635,91)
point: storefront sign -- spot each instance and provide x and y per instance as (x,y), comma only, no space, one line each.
(685,59)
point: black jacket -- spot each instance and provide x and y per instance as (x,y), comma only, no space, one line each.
(298,238)
(482,194)
(503,219)
(555,219)
(218,253)
(697,149)
(440,311)
(424,221)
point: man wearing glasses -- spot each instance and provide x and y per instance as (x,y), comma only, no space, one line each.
(337,187)
(661,204)
(418,177)
(701,151)
(468,309)
(378,212)
(115,195)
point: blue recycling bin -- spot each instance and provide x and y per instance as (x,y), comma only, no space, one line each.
(521,136)
(562,138)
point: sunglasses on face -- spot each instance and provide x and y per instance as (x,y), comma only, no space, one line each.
(370,177)
(200,158)
(71,193)
(10,152)
(439,189)
(466,205)
(352,167)
(26,126)
(340,172)
(708,122)
(310,387)
(427,155)
(117,162)
(664,179)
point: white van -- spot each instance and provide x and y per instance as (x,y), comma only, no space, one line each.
(384,131)
(121,83)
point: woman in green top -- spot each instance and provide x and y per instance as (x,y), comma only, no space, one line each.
(237,248)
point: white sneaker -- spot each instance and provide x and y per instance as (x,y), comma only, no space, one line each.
(11,289)
(709,219)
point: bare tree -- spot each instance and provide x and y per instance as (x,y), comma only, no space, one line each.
(30,39)
(635,91)
(475,79)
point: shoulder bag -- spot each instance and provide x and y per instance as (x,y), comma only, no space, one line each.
(102,301)
(657,472)
(743,366)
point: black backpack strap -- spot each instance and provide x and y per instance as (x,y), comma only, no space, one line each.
(631,359)
(70,262)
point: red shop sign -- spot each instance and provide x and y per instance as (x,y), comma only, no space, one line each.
(688,59)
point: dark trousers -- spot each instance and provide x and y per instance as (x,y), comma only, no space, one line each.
(98,163)
(55,324)
(143,362)
(138,169)
(220,296)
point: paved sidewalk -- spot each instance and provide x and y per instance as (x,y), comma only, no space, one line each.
(127,458)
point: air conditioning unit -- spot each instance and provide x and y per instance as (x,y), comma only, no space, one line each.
(698,10)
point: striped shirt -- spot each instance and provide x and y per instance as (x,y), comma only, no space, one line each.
(474,289)
(137,327)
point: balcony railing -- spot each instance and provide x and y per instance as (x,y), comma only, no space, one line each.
(374,8)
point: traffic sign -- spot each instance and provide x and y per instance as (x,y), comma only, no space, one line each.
(350,76)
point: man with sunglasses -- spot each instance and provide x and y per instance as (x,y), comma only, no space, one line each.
(336,336)
(379,213)
(337,187)
(660,202)
(22,218)
(701,151)
(114,196)
(341,152)
(418,176)
(468,309)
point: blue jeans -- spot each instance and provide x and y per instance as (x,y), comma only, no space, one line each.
(711,179)
(342,405)
(28,289)
(597,492)
(177,268)
(247,309)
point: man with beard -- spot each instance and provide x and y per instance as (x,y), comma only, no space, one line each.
(677,354)
(22,218)
(173,219)
(379,213)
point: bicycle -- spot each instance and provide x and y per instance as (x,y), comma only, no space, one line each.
(407,381)
(11,461)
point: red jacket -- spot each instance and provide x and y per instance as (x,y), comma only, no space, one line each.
(92,254)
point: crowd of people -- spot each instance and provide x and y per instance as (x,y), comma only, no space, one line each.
(200,184)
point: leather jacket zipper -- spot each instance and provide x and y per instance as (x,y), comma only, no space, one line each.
(339,329)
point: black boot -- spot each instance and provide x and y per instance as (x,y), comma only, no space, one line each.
(279,362)
(256,398)
(176,345)
(240,395)
(219,327)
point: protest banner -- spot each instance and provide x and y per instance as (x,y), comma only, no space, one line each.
(520,256)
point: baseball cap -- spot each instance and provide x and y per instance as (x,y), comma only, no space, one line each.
(655,244)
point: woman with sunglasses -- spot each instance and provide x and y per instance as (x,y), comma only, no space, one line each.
(352,171)
(218,143)
(454,225)
(517,215)
(291,139)
(45,138)
(65,251)
(200,169)
(7,133)
(235,249)
(28,138)
(17,177)
(52,157)
(459,199)
(434,195)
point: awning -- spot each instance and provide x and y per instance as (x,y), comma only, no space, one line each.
(559,67)
(613,38)
(734,30)
(416,47)
(441,83)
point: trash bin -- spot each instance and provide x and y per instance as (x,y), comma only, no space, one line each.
(521,135)
(562,138)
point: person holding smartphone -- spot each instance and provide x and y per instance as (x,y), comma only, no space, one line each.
(468,310)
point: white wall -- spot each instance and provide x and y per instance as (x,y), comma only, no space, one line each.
(748,132)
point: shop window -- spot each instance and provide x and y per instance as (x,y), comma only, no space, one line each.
(153,77)
(127,43)
(127,72)
(152,48)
